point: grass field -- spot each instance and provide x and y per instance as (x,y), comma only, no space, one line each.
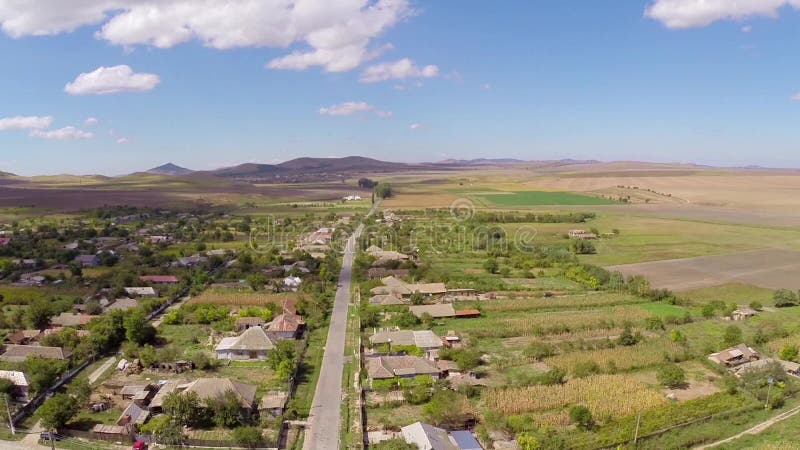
(532,198)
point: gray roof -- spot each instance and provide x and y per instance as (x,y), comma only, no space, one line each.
(438,310)
(18,353)
(464,440)
(427,436)
(384,367)
(421,338)
(252,339)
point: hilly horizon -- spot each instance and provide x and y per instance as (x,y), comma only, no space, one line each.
(169,169)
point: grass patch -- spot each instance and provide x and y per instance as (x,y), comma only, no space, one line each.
(545,198)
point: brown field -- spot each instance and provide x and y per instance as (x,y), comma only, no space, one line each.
(767,268)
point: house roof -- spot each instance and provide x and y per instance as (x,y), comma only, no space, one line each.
(737,353)
(137,415)
(123,304)
(386,300)
(252,321)
(211,388)
(383,367)
(158,279)
(16,377)
(17,353)
(464,440)
(147,290)
(284,323)
(428,436)
(436,311)
(421,338)
(166,389)
(273,400)
(252,339)
(66,319)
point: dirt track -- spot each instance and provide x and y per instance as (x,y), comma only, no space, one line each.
(768,268)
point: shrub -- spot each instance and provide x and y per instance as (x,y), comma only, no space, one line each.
(582,417)
(671,376)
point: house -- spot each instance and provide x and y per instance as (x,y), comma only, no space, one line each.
(190,261)
(398,287)
(159,279)
(351,198)
(71,320)
(383,257)
(387,367)
(581,234)
(387,300)
(112,431)
(23,337)
(743,313)
(243,323)
(427,437)
(20,380)
(735,356)
(273,403)
(464,440)
(213,388)
(87,260)
(18,353)
(426,340)
(468,313)
(145,292)
(436,311)
(30,279)
(133,415)
(165,388)
(159,239)
(381,272)
(322,236)
(286,325)
(122,304)
(292,283)
(253,343)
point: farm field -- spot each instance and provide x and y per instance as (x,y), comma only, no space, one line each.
(536,198)
(769,268)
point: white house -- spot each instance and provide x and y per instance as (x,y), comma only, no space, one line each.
(253,343)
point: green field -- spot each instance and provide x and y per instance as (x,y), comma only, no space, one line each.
(545,198)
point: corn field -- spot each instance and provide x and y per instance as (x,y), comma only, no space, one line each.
(621,357)
(571,302)
(235,298)
(606,396)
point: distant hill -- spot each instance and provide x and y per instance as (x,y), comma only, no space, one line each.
(6,175)
(479,161)
(305,168)
(169,169)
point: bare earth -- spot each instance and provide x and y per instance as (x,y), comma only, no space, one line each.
(767,268)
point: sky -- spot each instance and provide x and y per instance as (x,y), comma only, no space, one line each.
(117,86)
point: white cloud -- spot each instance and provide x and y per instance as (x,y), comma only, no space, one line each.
(336,34)
(699,13)
(111,80)
(25,123)
(746,28)
(397,70)
(91,121)
(486,87)
(796,97)
(416,126)
(62,134)
(352,108)
(123,140)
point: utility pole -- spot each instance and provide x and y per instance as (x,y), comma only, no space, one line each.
(10,419)
(636,433)
(52,441)
(770,381)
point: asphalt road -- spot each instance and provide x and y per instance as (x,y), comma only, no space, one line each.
(326,409)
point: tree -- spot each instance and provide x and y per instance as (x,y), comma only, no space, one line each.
(447,407)
(165,429)
(789,352)
(80,390)
(627,337)
(491,265)
(38,313)
(784,298)
(56,411)
(582,247)
(137,327)
(383,190)
(256,281)
(185,408)
(226,410)
(676,336)
(708,310)
(581,417)
(671,376)
(42,373)
(284,351)
(733,335)
(247,436)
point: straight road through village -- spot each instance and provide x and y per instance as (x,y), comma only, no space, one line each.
(326,409)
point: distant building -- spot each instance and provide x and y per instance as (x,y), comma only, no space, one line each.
(145,292)
(743,313)
(20,381)
(735,356)
(387,367)
(87,260)
(18,353)
(425,340)
(159,279)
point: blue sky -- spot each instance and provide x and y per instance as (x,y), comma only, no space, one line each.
(665,80)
